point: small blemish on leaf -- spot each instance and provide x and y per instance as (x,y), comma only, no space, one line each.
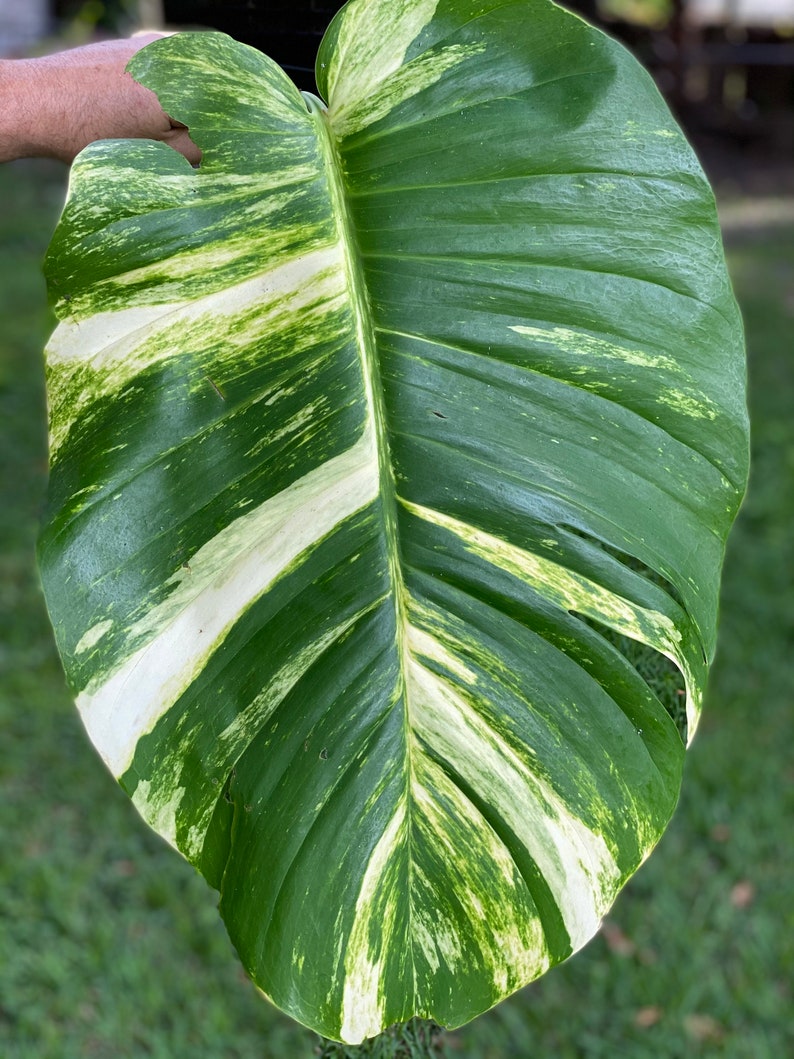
(216,388)
(440,415)
(324,754)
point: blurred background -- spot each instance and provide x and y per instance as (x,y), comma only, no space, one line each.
(726,66)
(110,946)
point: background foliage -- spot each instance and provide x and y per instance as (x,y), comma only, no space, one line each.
(111,946)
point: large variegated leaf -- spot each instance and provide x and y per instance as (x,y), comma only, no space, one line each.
(373,440)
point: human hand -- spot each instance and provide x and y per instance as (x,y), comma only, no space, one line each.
(55,105)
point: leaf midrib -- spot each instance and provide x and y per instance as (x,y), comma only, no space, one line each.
(371,377)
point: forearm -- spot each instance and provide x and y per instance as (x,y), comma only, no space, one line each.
(55,105)
(18,102)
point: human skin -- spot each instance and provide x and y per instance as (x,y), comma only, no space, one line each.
(53,106)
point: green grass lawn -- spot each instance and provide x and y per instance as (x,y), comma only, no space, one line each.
(110,945)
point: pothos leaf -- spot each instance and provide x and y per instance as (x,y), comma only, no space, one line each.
(372,439)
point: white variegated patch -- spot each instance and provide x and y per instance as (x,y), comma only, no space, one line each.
(574,592)
(92,636)
(107,351)
(575,861)
(581,344)
(502,920)
(363,999)
(158,808)
(174,640)
(403,84)
(372,43)
(569,590)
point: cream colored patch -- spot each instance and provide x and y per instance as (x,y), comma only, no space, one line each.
(501,920)
(406,82)
(421,643)
(226,59)
(574,592)
(226,576)
(115,347)
(575,343)
(372,43)
(694,697)
(575,861)
(431,933)
(570,591)
(158,808)
(363,1000)
(92,636)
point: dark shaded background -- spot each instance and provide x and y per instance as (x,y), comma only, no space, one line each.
(730,82)
(731,85)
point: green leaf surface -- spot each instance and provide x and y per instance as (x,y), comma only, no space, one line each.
(373,439)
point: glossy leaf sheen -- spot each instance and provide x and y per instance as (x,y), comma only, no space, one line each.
(367,436)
